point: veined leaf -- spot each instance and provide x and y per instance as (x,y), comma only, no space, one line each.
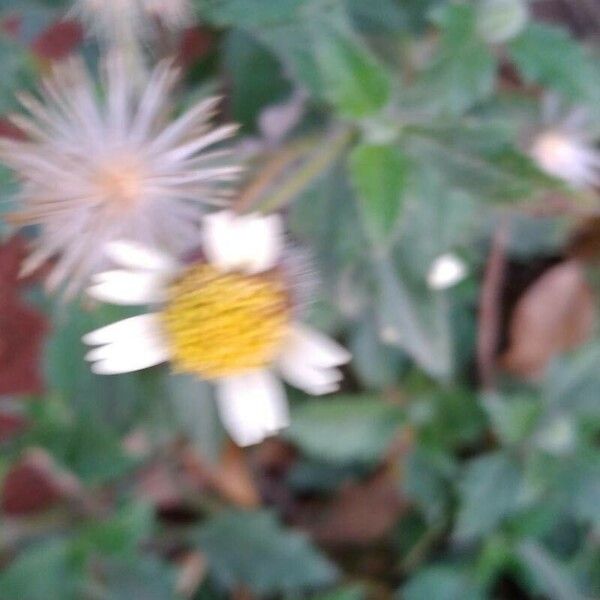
(380,177)
(252,549)
(369,426)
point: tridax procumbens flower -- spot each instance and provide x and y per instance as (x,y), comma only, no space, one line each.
(228,316)
(94,170)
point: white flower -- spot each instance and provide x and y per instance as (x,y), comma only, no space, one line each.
(96,170)
(114,19)
(564,148)
(227,317)
(447,270)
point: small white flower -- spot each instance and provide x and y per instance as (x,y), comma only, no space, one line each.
(564,148)
(112,19)
(97,170)
(227,317)
(447,270)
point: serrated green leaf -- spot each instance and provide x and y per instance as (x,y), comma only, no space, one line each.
(463,71)
(369,425)
(478,159)
(252,549)
(353,80)
(489,493)
(380,176)
(547,55)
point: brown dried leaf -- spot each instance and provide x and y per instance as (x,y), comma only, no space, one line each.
(360,513)
(557,313)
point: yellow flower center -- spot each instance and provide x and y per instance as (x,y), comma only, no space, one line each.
(221,324)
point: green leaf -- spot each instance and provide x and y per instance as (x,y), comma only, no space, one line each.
(478,159)
(414,318)
(369,425)
(376,365)
(514,418)
(377,17)
(428,477)
(500,20)
(346,593)
(256,78)
(442,582)
(84,446)
(547,55)
(571,384)
(463,71)
(120,535)
(551,577)
(353,80)
(447,418)
(43,572)
(489,493)
(379,174)
(293,44)
(245,13)
(252,549)
(191,410)
(142,578)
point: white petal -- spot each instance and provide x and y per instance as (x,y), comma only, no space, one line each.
(141,325)
(129,287)
(138,256)
(252,407)
(126,347)
(132,362)
(447,270)
(220,239)
(250,242)
(263,238)
(297,371)
(316,348)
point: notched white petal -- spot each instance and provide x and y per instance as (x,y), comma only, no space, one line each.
(140,325)
(264,241)
(308,378)
(129,288)
(252,407)
(138,256)
(317,348)
(249,242)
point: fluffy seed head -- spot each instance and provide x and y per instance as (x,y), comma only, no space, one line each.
(95,169)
